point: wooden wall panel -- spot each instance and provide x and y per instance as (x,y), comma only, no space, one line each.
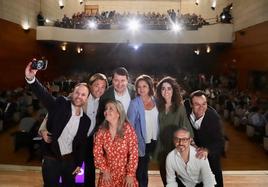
(249,52)
(17,48)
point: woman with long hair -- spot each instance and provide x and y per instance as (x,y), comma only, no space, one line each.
(116,148)
(172,115)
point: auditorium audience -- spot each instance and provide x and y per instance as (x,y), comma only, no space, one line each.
(257,120)
(116,20)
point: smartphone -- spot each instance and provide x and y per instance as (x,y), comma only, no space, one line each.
(40,64)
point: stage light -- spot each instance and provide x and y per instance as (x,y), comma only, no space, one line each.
(226,15)
(61,4)
(47,20)
(92,25)
(64,46)
(196,2)
(197,51)
(25,25)
(134,25)
(79,49)
(213,5)
(136,47)
(208,49)
(176,27)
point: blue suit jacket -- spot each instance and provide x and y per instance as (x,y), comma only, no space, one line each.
(136,116)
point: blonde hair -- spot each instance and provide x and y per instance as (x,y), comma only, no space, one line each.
(122,118)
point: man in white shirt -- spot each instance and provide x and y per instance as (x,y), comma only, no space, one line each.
(120,90)
(98,84)
(67,125)
(182,164)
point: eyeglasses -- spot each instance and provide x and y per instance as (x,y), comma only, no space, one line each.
(183,140)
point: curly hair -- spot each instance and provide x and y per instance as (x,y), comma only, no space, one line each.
(176,98)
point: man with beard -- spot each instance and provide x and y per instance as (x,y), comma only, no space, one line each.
(67,125)
(183,167)
(97,84)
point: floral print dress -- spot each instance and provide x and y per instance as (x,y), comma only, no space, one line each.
(119,156)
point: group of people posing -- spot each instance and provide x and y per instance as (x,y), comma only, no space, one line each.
(118,129)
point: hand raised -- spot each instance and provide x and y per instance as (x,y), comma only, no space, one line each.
(29,72)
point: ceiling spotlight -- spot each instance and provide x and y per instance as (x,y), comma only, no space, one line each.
(196,2)
(81,2)
(197,51)
(79,49)
(176,27)
(61,4)
(63,46)
(134,25)
(25,25)
(208,49)
(213,5)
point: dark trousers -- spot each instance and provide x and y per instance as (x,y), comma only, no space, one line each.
(215,165)
(162,166)
(89,172)
(53,169)
(143,164)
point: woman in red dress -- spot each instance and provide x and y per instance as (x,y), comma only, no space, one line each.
(116,149)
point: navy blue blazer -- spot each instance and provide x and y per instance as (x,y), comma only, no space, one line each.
(210,135)
(60,111)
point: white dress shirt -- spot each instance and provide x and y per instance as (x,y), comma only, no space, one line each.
(92,109)
(67,136)
(196,123)
(124,99)
(195,171)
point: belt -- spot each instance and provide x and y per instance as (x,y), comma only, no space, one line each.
(67,156)
(63,157)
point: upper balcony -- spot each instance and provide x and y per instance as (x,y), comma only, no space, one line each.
(217,33)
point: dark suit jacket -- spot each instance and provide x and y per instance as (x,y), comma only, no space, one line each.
(210,134)
(60,112)
(109,94)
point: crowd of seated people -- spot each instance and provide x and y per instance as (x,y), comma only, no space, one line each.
(246,110)
(241,108)
(243,111)
(20,107)
(116,20)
